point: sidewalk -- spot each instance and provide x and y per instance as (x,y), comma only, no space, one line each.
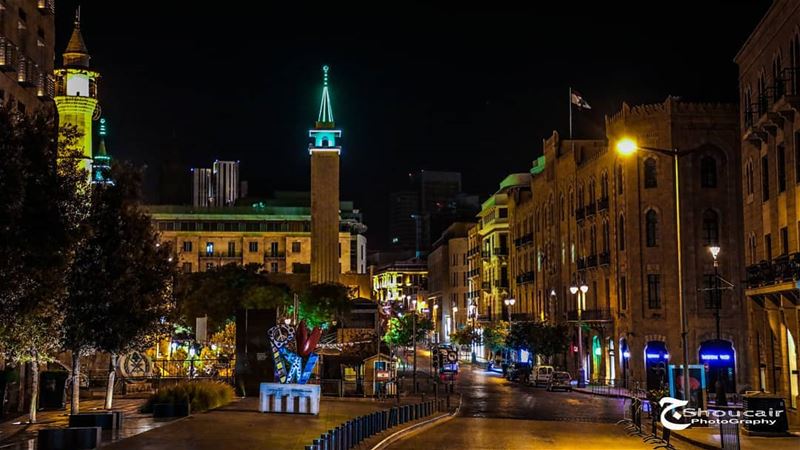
(239,425)
(18,430)
(708,437)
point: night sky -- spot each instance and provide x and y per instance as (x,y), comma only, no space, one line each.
(185,83)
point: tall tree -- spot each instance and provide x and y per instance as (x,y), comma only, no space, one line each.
(120,282)
(42,201)
(219,292)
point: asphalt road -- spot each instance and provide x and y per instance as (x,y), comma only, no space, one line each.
(498,414)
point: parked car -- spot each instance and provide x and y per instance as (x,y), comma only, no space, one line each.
(560,380)
(518,371)
(540,375)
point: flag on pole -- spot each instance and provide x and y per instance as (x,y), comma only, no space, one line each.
(577,100)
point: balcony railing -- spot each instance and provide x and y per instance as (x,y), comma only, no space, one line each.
(591,261)
(602,204)
(581,263)
(580,213)
(486,254)
(501,251)
(591,209)
(501,284)
(781,269)
(220,254)
(526,277)
(785,87)
(486,286)
(274,255)
(604,258)
(591,315)
(523,240)
(473,273)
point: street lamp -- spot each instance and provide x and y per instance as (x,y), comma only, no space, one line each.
(627,146)
(414,340)
(581,292)
(714,249)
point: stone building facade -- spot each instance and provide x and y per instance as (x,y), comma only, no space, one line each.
(593,217)
(27,53)
(769,82)
(448,286)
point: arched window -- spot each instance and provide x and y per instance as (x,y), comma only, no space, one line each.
(748,176)
(710,227)
(794,61)
(650,173)
(708,172)
(606,236)
(621,233)
(777,77)
(651,226)
(604,185)
(561,206)
(580,196)
(620,181)
(592,240)
(751,244)
(591,191)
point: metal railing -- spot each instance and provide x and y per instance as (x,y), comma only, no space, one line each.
(353,432)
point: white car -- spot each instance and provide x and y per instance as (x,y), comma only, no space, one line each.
(540,375)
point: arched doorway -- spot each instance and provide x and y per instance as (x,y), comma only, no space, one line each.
(611,372)
(719,359)
(624,360)
(791,348)
(597,358)
(656,360)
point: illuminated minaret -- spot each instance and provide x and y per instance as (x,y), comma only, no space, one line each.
(101,163)
(324,192)
(76,93)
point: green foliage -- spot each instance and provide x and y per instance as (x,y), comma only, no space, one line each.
(399,330)
(321,303)
(120,280)
(538,337)
(201,395)
(220,292)
(42,201)
(494,336)
(465,336)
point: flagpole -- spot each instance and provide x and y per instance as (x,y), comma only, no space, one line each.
(570,112)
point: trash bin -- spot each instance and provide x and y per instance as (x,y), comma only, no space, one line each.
(773,407)
(51,389)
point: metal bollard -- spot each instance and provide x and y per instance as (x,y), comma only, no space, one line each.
(317,444)
(326,442)
(337,438)
(310,447)
(349,441)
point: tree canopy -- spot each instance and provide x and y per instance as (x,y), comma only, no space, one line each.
(399,330)
(218,293)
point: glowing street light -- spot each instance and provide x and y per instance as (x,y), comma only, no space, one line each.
(626,146)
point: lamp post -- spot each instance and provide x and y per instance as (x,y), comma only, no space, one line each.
(581,292)
(714,249)
(414,340)
(626,147)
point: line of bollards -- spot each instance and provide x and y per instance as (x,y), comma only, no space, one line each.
(352,432)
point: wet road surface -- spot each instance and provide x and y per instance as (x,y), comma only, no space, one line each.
(498,414)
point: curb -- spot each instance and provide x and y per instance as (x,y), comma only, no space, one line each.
(413,429)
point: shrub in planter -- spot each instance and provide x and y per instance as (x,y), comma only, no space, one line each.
(200,395)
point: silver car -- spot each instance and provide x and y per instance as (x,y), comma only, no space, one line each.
(560,380)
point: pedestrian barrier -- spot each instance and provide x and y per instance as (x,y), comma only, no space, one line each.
(353,432)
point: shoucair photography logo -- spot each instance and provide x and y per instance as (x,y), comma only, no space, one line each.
(676,420)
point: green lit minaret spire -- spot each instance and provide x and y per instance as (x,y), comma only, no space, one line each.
(324,134)
(325,118)
(101,165)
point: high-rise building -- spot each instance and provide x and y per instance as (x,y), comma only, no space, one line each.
(27,42)
(226,182)
(202,187)
(76,94)
(769,86)
(420,214)
(324,191)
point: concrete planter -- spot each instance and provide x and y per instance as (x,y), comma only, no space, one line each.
(107,420)
(162,410)
(78,438)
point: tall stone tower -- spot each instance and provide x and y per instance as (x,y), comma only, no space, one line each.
(76,93)
(324,192)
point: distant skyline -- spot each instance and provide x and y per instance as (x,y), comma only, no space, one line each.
(437,89)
